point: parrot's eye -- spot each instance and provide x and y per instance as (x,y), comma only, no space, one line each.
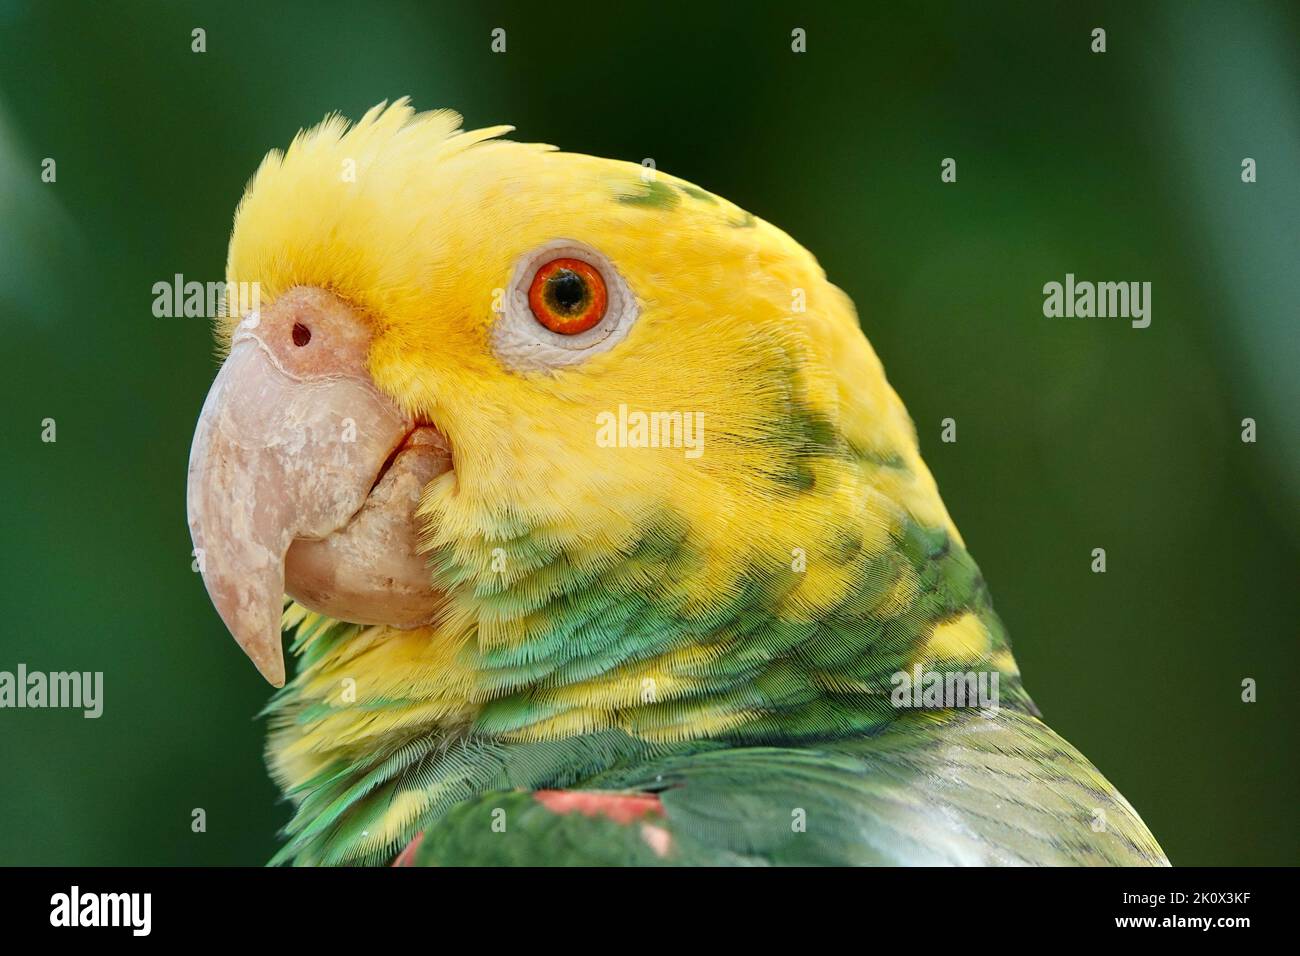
(301,334)
(565,303)
(567,296)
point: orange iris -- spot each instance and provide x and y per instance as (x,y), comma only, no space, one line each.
(567,296)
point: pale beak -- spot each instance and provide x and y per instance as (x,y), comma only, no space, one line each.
(292,440)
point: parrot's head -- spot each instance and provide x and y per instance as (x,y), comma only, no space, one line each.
(558,433)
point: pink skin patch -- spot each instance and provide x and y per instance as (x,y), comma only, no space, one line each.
(407,856)
(621,808)
(659,840)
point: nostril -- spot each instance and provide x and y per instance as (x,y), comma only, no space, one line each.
(301,334)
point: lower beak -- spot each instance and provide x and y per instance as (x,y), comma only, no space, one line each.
(291,440)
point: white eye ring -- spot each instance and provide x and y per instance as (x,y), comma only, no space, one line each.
(524,344)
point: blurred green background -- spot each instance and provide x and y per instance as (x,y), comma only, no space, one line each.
(1071,434)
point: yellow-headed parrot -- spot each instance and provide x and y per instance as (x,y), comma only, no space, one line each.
(605,538)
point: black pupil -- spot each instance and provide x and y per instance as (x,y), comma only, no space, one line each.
(566,291)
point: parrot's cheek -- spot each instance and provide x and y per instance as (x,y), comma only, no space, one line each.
(304,479)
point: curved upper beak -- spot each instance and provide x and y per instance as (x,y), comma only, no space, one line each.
(290,442)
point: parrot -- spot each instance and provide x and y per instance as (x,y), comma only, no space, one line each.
(597,534)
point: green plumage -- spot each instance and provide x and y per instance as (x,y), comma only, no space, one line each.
(958,789)
(874,784)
